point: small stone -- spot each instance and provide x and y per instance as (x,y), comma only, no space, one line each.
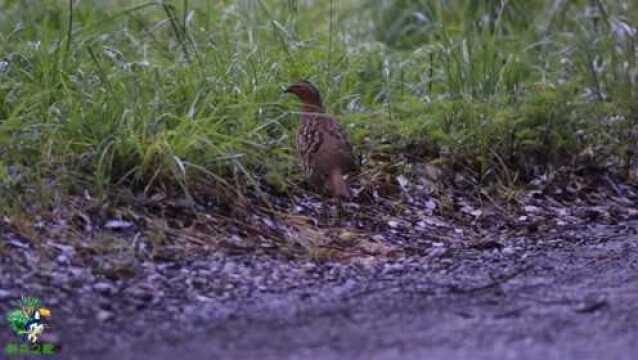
(103,315)
(432,172)
(378,237)
(62,259)
(117,225)
(238,241)
(366,261)
(4,294)
(346,235)
(104,288)
(403,182)
(142,292)
(202,298)
(531,209)
(508,250)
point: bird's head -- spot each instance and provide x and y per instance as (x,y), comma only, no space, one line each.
(306,92)
(40,313)
(43,312)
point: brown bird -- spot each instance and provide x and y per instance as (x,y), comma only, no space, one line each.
(322,144)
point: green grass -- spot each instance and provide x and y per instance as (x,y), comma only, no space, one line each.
(178,96)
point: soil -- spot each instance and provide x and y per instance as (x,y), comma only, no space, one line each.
(523,285)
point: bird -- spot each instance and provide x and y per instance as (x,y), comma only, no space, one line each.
(28,321)
(34,326)
(322,144)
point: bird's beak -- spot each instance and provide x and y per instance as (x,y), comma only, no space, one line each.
(44,312)
(288,90)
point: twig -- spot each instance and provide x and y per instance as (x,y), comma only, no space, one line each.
(495,283)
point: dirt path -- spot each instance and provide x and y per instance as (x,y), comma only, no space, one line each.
(552,298)
(569,293)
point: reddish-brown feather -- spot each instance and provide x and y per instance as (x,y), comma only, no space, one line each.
(322,144)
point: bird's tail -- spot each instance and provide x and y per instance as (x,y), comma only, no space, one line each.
(338,186)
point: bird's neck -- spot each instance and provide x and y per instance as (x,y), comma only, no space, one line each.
(312,108)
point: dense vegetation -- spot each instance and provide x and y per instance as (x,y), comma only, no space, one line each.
(178,95)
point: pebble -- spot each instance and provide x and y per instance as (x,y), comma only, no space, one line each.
(117,225)
(4,294)
(508,250)
(104,315)
(393,223)
(104,288)
(62,259)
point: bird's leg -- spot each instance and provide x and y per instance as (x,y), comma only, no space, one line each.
(329,214)
(325,210)
(330,211)
(340,209)
(324,213)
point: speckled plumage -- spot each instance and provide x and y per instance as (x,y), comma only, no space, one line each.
(322,144)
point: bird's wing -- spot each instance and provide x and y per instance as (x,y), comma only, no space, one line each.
(336,131)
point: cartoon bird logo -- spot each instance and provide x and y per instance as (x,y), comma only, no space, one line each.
(27,321)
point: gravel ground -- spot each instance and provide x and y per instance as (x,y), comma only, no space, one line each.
(569,293)
(556,298)
(553,280)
